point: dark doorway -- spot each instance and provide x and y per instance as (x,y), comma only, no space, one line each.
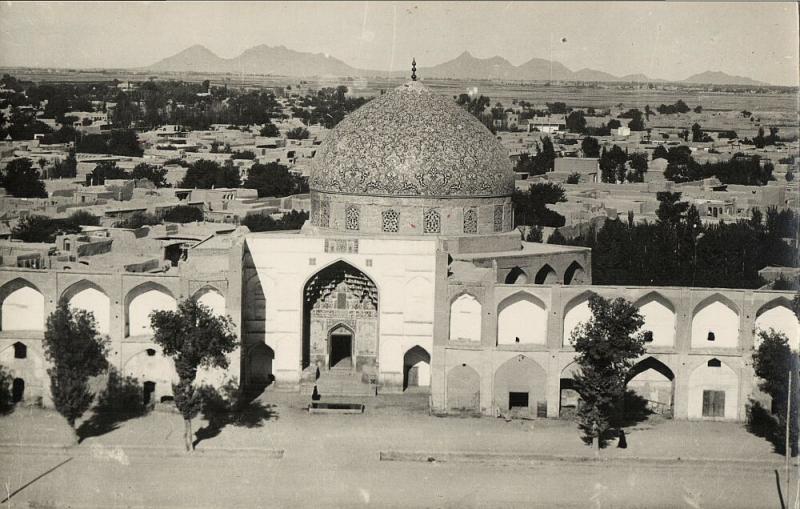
(517,400)
(17,390)
(147,393)
(713,403)
(341,350)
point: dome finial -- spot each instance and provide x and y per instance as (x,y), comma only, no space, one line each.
(413,69)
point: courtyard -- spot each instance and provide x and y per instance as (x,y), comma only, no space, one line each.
(393,455)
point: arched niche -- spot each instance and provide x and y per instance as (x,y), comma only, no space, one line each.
(212,299)
(659,319)
(521,318)
(546,276)
(21,306)
(713,391)
(715,323)
(516,276)
(576,313)
(653,382)
(465,318)
(463,389)
(141,302)
(520,384)
(89,297)
(418,305)
(416,368)
(778,316)
(575,275)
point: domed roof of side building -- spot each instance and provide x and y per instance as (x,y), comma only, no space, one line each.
(410,142)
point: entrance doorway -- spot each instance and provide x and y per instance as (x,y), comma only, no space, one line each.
(17,390)
(341,348)
(148,391)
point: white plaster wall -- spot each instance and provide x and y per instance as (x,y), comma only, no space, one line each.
(158,369)
(424,373)
(142,305)
(704,378)
(579,313)
(718,318)
(523,317)
(212,299)
(23,309)
(95,302)
(465,319)
(659,319)
(782,319)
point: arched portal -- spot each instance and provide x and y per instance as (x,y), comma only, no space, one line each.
(22,306)
(340,315)
(779,317)
(259,366)
(141,302)
(575,275)
(576,312)
(569,399)
(516,276)
(659,319)
(416,368)
(521,318)
(713,391)
(89,297)
(463,389)
(654,383)
(715,323)
(519,386)
(546,276)
(17,390)
(465,318)
(212,299)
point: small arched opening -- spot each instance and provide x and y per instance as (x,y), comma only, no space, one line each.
(575,275)
(17,390)
(516,276)
(416,368)
(546,276)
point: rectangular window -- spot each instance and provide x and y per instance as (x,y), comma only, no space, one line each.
(713,403)
(517,400)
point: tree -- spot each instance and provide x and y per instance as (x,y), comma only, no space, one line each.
(557,238)
(106,170)
(670,208)
(697,132)
(81,218)
(271,179)
(660,152)
(638,163)
(36,228)
(530,207)
(614,124)
(137,220)
(269,131)
(206,174)
(773,360)
(156,175)
(612,165)
(21,180)
(698,109)
(590,147)
(77,352)
(183,214)
(576,122)
(534,234)
(574,178)
(194,337)
(606,347)
(67,167)
(298,133)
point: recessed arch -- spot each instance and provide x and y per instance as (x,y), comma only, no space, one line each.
(576,312)
(212,298)
(522,379)
(778,316)
(465,318)
(715,323)
(546,276)
(713,391)
(463,389)
(21,306)
(654,382)
(659,318)
(157,369)
(91,297)
(575,274)
(141,301)
(569,399)
(260,358)
(418,298)
(416,367)
(516,276)
(521,318)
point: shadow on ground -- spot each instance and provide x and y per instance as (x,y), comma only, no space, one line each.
(121,400)
(632,411)
(227,407)
(761,423)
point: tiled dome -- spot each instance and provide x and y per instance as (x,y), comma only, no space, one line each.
(410,142)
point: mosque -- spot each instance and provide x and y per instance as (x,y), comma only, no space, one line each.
(410,276)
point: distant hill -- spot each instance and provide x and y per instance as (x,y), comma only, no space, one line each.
(283,61)
(721,78)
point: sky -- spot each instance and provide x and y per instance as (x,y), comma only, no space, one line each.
(668,40)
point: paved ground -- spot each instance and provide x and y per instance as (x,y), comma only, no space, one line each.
(333,460)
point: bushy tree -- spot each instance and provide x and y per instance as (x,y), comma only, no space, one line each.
(37,228)
(270,130)
(156,175)
(530,207)
(773,360)
(574,178)
(81,218)
(183,214)
(607,346)
(298,133)
(576,122)
(76,352)
(194,337)
(65,168)
(137,220)
(557,238)
(590,147)
(612,165)
(271,179)
(22,180)
(534,234)
(106,170)
(6,396)
(206,174)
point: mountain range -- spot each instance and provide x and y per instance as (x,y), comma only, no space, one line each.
(283,61)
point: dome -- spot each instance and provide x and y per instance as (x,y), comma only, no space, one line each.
(410,142)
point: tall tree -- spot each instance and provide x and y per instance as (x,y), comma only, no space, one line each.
(606,347)
(21,180)
(77,352)
(194,337)
(590,147)
(152,173)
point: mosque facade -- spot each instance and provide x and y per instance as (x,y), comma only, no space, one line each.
(410,276)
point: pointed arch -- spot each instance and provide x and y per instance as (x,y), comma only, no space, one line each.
(569,399)
(418,297)
(516,276)
(653,382)
(715,323)
(21,306)
(778,316)
(521,318)
(713,391)
(522,379)
(212,298)
(259,366)
(576,312)
(91,297)
(659,318)
(465,318)
(142,300)
(546,276)
(416,367)
(575,275)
